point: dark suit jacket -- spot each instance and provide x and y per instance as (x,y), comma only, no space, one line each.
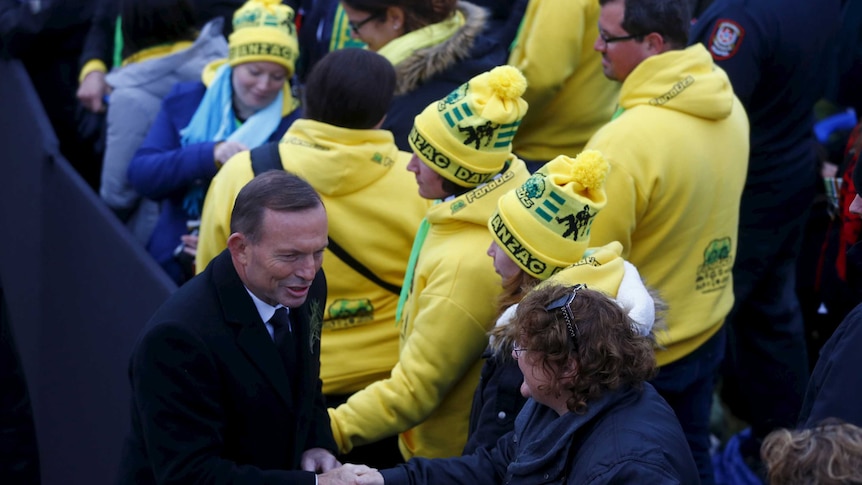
(211,401)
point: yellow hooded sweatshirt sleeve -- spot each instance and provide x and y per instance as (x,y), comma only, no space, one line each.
(451,306)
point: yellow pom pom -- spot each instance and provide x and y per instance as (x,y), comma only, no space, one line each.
(507,82)
(590,169)
(269,2)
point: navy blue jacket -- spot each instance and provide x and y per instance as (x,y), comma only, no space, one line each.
(835,388)
(164,170)
(776,53)
(496,402)
(627,436)
(444,67)
(485,55)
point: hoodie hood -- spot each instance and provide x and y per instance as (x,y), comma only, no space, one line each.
(345,160)
(694,85)
(476,206)
(604,269)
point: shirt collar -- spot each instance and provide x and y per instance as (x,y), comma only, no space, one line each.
(265,310)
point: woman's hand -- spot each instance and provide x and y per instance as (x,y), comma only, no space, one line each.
(223,151)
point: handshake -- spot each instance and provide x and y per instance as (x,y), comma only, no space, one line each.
(351,475)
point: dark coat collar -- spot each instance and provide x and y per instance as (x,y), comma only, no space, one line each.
(251,334)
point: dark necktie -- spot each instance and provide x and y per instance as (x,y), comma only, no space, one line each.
(285,342)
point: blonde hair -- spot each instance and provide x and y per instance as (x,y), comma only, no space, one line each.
(830,453)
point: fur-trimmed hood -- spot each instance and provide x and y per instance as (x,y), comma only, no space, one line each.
(426,63)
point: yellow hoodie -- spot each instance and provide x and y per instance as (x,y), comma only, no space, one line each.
(569,96)
(443,333)
(679,156)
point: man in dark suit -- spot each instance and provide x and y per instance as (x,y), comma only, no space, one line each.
(219,395)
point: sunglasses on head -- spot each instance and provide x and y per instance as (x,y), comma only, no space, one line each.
(563,304)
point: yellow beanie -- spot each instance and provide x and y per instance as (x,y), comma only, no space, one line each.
(264,30)
(467,136)
(544,225)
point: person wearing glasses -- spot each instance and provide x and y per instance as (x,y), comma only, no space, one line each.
(326,28)
(678,150)
(435,46)
(529,247)
(554,50)
(590,417)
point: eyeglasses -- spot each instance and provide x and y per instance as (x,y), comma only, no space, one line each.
(517,349)
(611,40)
(563,303)
(356,26)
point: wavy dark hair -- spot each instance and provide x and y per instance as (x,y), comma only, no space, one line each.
(606,353)
(417,13)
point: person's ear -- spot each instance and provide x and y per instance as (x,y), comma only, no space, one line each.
(379,123)
(237,244)
(655,43)
(395,17)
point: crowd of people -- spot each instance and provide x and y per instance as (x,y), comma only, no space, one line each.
(444,241)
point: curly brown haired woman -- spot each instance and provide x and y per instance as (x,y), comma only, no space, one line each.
(591,417)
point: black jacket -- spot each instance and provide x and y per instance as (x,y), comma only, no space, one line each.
(211,401)
(496,403)
(835,388)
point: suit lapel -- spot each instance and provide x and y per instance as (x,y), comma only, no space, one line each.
(251,335)
(259,348)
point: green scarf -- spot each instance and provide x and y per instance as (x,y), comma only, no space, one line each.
(411,267)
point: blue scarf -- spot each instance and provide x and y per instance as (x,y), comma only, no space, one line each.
(215,120)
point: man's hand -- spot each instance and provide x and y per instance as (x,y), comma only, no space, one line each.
(351,475)
(91,91)
(318,460)
(223,151)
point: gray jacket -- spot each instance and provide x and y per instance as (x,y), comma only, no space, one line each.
(135,101)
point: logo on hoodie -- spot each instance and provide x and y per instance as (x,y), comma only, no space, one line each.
(348,313)
(674,91)
(714,273)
